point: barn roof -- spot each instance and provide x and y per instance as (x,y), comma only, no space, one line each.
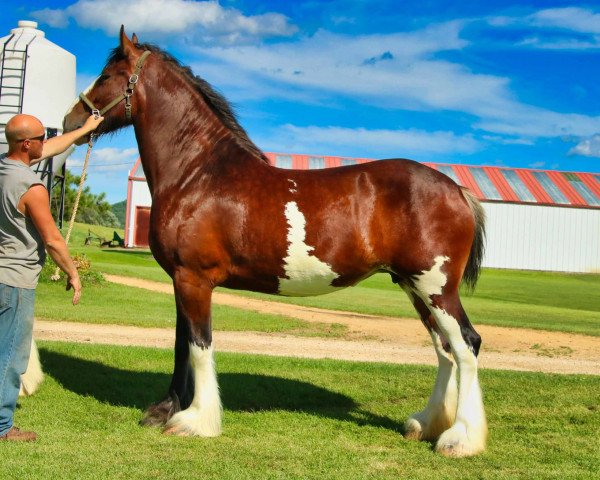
(493,184)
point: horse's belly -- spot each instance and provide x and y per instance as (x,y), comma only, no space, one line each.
(305,283)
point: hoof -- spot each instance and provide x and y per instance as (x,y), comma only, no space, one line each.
(427,426)
(413,429)
(158,414)
(457,443)
(177,431)
(195,422)
(457,450)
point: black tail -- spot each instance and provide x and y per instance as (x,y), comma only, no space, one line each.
(473,268)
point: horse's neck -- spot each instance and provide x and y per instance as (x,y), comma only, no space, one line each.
(178,135)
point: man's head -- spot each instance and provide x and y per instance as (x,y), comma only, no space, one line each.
(25,135)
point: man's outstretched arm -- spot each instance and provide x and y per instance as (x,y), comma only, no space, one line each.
(56,145)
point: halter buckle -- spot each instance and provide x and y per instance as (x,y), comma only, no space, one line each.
(134,78)
(96,113)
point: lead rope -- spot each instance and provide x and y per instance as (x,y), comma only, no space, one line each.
(56,275)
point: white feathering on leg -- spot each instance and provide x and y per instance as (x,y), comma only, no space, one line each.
(440,412)
(203,416)
(33,376)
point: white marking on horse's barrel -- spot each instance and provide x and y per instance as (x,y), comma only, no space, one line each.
(85,92)
(431,282)
(306,274)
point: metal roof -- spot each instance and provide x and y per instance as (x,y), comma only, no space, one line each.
(493,184)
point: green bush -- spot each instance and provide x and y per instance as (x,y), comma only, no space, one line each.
(87,275)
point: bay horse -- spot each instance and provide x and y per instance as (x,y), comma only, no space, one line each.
(223,216)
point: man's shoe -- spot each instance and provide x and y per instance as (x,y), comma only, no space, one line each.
(16,435)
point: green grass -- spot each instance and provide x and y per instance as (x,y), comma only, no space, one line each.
(117,304)
(81,231)
(509,298)
(292,418)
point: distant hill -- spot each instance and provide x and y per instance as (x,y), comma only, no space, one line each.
(119,211)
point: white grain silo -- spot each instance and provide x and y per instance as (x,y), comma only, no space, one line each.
(36,77)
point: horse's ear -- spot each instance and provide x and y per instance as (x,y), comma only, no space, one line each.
(126,46)
(134,39)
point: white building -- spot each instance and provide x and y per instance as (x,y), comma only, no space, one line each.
(37,77)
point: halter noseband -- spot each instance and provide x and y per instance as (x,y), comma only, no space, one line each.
(133,79)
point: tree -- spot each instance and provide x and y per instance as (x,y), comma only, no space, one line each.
(92,209)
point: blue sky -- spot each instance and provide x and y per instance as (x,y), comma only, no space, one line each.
(482,83)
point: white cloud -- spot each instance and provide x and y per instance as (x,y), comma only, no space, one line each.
(529,121)
(340,64)
(328,64)
(348,141)
(202,20)
(537,165)
(508,140)
(569,18)
(110,154)
(54,18)
(108,159)
(589,147)
(569,28)
(562,44)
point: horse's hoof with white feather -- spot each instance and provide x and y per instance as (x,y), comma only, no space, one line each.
(426,425)
(457,442)
(413,429)
(195,422)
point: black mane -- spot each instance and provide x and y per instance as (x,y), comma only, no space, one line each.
(215,101)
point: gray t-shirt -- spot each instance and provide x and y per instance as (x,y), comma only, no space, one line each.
(22,251)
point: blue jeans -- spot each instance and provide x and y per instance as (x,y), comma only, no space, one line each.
(16,329)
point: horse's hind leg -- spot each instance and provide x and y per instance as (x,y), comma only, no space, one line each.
(203,415)
(440,412)
(439,291)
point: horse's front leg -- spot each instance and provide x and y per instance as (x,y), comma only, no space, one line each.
(202,416)
(181,389)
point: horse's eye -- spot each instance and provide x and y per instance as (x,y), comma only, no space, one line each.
(103,78)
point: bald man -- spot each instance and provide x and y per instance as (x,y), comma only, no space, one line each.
(27,230)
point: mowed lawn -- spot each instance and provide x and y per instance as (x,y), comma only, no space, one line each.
(292,419)
(540,300)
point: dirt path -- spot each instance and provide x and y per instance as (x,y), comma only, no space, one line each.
(379,339)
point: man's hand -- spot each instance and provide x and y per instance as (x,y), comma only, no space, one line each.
(57,145)
(91,124)
(75,284)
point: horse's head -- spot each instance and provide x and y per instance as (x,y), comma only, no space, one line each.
(115,94)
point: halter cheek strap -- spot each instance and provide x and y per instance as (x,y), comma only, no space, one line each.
(133,79)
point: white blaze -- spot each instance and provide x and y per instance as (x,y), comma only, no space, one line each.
(85,92)
(307,275)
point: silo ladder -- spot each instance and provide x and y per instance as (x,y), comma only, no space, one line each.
(7,76)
